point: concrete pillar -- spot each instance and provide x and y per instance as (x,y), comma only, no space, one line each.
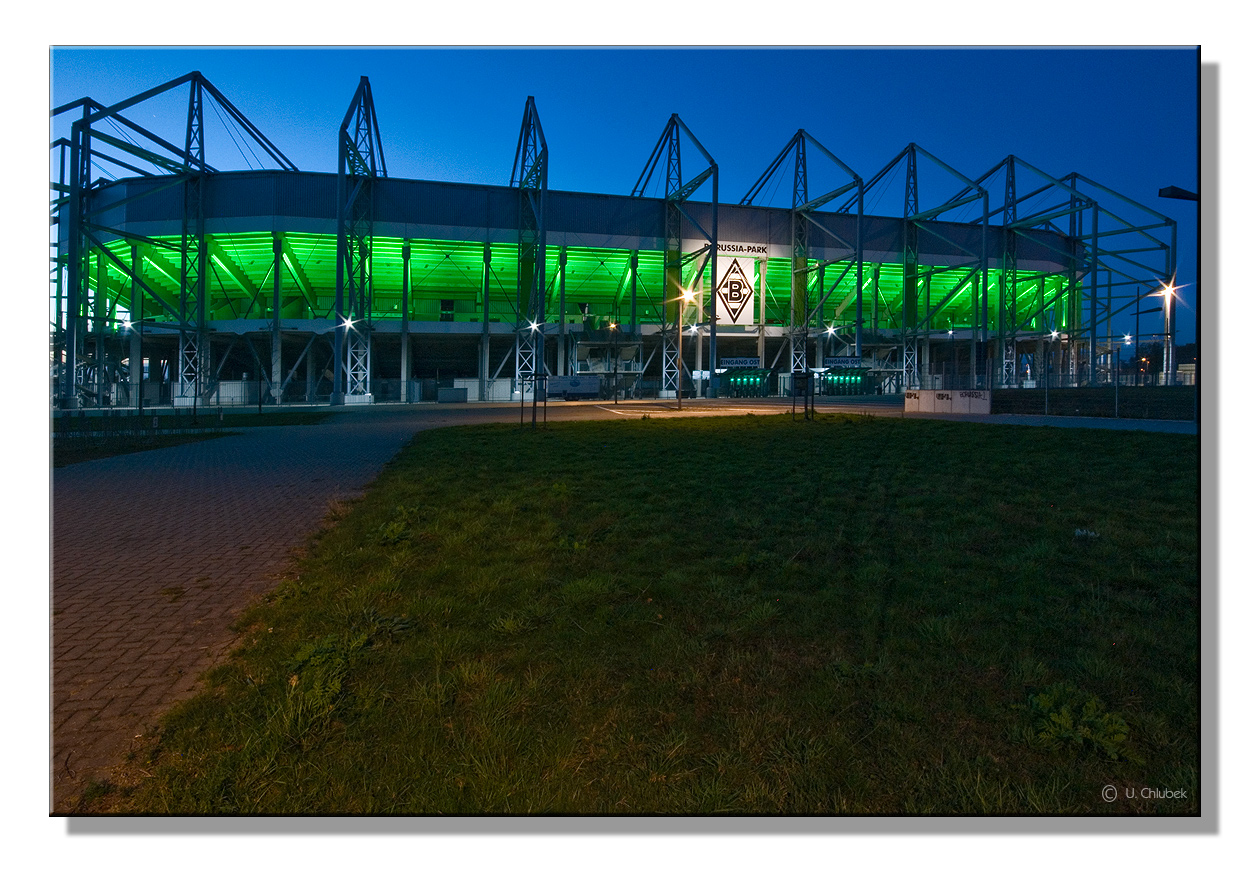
(404,374)
(633,295)
(562,349)
(136,329)
(309,383)
(99,314)
(275,355)
(483,363)
(761,284)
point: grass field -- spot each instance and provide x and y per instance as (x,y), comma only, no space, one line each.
(744,616)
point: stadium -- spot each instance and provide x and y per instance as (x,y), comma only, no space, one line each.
(177,284)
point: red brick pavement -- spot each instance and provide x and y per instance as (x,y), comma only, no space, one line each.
(155,554)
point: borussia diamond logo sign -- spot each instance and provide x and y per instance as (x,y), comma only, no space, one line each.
(734,293)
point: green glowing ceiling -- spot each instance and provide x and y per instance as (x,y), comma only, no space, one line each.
(446,279)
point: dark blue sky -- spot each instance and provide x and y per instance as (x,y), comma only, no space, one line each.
(1127,119)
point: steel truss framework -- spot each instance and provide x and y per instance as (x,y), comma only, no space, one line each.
(103,135)
(117,293)
(1114,260)
(676,293)
(529,177)
(807,280)
(361,162)
(918,223)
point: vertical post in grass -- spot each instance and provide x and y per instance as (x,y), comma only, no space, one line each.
(1117,381)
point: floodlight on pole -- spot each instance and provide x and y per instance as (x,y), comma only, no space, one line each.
(686,297)
(1168,293)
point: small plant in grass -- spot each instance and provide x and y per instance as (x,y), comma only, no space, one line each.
(1065,717)
(757,614)
(318,670)
(510,623)
(97,789)
(398,528)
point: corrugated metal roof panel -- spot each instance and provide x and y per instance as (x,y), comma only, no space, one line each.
(305,194)
(604,220)
(155,204)
(604,214)
(416,202)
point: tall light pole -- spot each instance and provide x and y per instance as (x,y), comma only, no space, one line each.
(700,389)
(615,365)
(1168,293)
(1173,192)
(686,297)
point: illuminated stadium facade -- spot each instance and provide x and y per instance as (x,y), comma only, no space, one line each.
(282,286)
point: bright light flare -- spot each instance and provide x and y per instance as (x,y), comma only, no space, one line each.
(1172,292)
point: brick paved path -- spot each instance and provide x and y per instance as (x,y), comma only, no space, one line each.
(156,553)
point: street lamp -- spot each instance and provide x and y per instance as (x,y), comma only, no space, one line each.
(1168,292)
(615,366)
(686,297)
(695,336)
(948,379)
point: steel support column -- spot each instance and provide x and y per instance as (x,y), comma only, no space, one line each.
(562,349)
(484,347)
(193,348)
(79,253)
(136,330)
(676,191)
(405,353)
(361,161)
(1093,299)
(275,350)
(911,259)
(1008,327)
(529,177)
(674,286)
